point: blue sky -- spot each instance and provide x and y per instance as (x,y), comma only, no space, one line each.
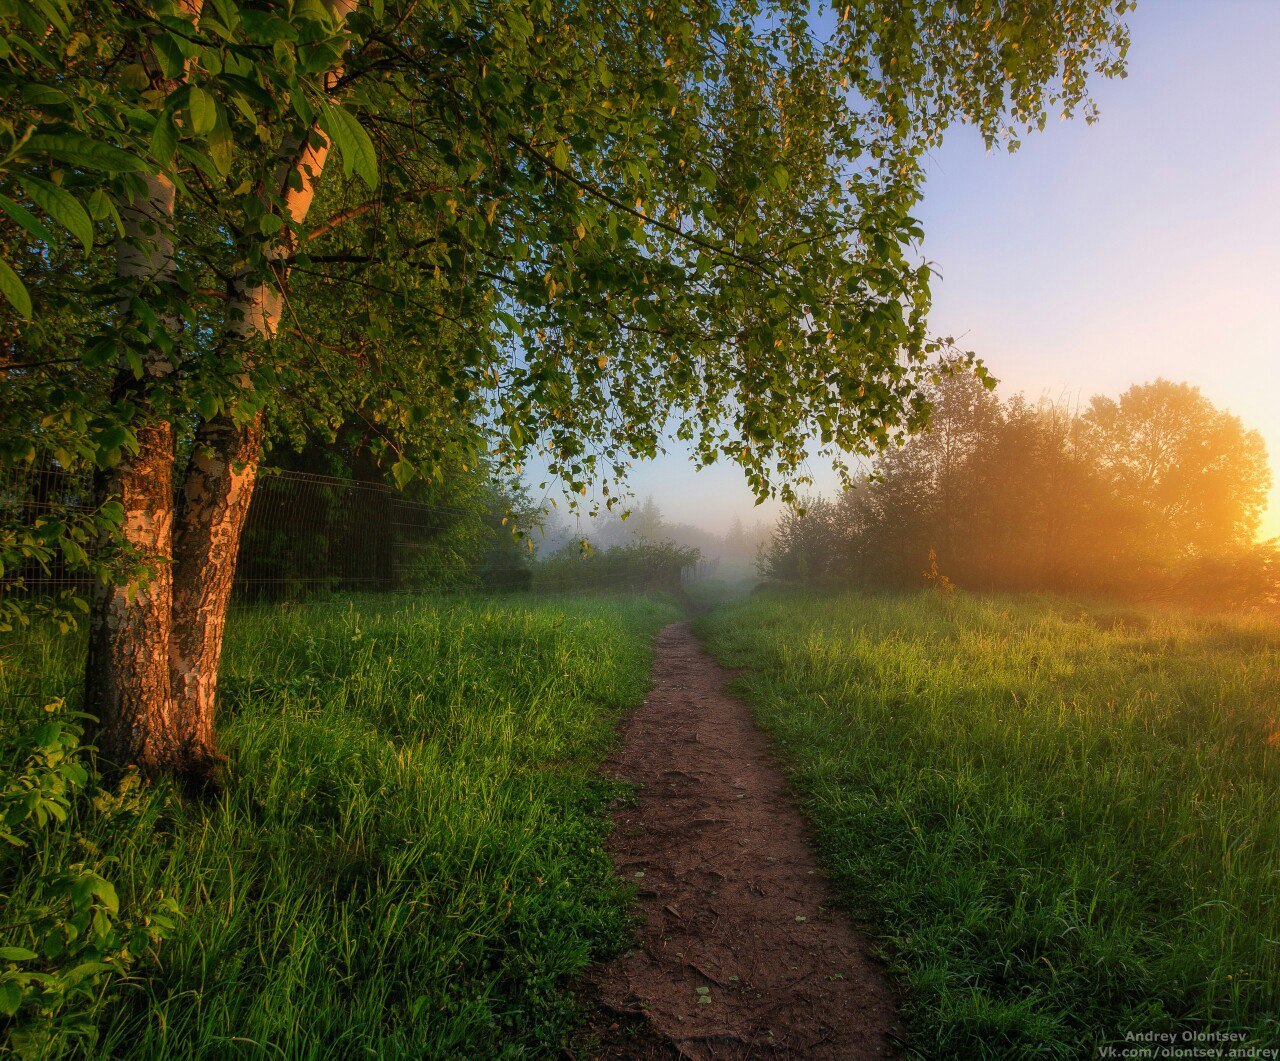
(1145,245)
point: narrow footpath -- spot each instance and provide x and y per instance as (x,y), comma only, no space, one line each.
(740,952)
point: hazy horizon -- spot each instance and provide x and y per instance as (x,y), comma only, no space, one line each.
(1070,275)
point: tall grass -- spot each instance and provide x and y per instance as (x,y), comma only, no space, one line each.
(1062,821)
(407,861)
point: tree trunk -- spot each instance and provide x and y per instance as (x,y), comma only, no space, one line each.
(212,510)
(218,485)
(127,673)
(127,684)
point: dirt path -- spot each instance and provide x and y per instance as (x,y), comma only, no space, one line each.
(739,954)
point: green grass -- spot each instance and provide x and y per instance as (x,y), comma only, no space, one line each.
(407,861)
(1062,822)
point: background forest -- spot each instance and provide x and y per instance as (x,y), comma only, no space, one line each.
(1155,494)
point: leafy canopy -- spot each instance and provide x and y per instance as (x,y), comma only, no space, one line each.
(566,227)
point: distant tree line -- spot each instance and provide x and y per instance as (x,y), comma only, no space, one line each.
(646,523)
(637,565)
(1156,494)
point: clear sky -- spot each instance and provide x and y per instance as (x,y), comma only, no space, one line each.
(1145,245)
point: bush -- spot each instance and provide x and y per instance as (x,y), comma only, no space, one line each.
(69,939)
(638,566)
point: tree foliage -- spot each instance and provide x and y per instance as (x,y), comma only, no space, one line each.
(577,225)
(484,230)
(1199,476)
(1157,493)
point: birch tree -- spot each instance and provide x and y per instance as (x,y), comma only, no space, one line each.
(127,675)
(567,229)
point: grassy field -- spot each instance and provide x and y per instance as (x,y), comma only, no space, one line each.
(1063,822)
(408,859)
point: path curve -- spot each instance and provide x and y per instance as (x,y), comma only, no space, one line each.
(740,952)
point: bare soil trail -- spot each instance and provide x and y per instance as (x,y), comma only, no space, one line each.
(739,951)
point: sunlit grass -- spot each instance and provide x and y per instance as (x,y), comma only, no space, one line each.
(407,861)
(1062,822)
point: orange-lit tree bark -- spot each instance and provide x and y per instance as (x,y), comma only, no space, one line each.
(127,675)
(214,499)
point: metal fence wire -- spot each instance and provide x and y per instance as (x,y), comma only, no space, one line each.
(31,495)
(308,535)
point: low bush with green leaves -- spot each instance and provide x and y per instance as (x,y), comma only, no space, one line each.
(64,936)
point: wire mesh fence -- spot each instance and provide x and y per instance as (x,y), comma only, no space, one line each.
(32,497)
(309,535)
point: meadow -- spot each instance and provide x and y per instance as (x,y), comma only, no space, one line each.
(1058,820)
(406,860)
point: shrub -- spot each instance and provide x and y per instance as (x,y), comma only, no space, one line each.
(70,939)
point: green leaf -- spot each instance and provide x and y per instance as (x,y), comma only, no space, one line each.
(17,954)
(101,208)
(10,998)
(204,111)
(12,289)
(26,219)
(313,10)
(358,154)
(134,360)
(46,737)
(84,152)
(106,891)
(62,206)
(168,54)
(403,472)
(199,159)
(87,969)
(164,139)
(221,144)
(44,95)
